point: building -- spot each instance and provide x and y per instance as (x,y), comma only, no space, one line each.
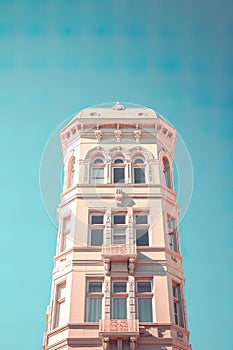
(118,281)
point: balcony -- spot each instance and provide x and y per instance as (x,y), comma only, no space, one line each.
(112,329)
(119,252)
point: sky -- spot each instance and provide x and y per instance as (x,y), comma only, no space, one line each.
(57,57)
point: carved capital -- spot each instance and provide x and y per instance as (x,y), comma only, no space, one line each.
(118,134)
(98,135)
(137,135)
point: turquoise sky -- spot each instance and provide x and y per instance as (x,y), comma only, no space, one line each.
(174,56)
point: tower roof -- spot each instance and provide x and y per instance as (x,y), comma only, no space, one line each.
(118,111)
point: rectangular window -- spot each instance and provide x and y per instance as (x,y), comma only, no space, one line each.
(119,300)
(144,301)
(119,236)
(178,305)
(143,286)
(66,241)
(141,229)
(119,308)
(119,229)
(119,287)
(139,175)
(94,301)
(118,175)
(145,309)
(118,219)
(60,305)
(172,234)
(97,176)
(96,229)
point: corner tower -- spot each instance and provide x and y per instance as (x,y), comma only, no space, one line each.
(118,281)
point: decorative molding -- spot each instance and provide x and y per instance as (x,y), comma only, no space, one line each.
(98,135)
(118,135)
(119,326)
(137,135)
(119,197)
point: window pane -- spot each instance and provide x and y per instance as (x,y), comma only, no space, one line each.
(98,175)
(119,240)
(118,175)
(94,309)
(142,237)
(119,308)
(94,287)
(138,161)
(143,287)
(141,219)
(96,237)
(145,309)
(98,161)
(119,287)
(98,172)
(97,219)
(61,291)
(119,231)
(67,241)
(66,224)
(118,219)
(60,314)
(171,224)
(118,161)
(139,175)
(119,236)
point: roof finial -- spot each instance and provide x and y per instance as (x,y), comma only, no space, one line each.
(118,107)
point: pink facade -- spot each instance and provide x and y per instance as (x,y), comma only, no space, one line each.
(118,281)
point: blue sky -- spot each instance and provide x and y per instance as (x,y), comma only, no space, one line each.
(174,56)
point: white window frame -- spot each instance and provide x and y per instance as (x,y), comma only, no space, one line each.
(96,226)
(167,174)
(145,295)
(119,227)
(172,234)
(65,233)
(59,301)
(139,166)
(117,166)
(119,295)
(94,295)
(101,165)
(177,297)
(141,226)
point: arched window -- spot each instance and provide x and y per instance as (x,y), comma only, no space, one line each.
(97,171)
(70,178)
(139,171)
(167,173)
(118,171)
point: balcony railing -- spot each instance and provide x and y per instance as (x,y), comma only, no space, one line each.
(119,249)
(120,327)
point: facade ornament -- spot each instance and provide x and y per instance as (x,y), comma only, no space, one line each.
(131,266)
(106,343)
(108,221)
(119,197)
(107,267)
(98,135)
(118,107)
(137,135)
(133,343)
(118,134)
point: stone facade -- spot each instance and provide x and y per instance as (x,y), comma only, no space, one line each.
(118,280)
